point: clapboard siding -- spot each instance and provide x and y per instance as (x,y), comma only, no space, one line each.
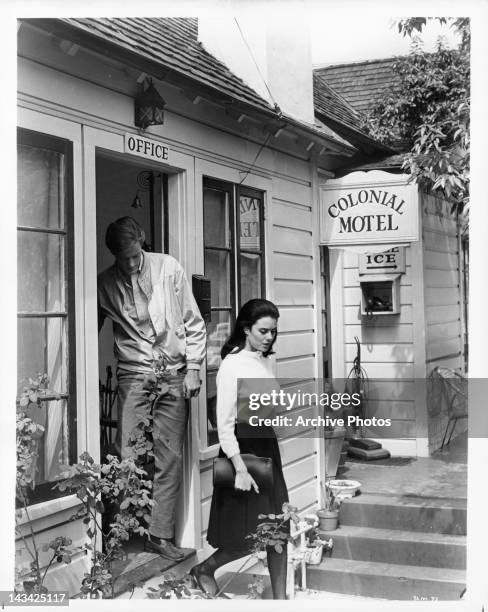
(293,293)
(385,409)
(295,473)
(442,278)
(440,330)
(369,334)
(441,296)
(293,449)
(286,240)
(292,216)
(300,368)
(380,353)
(386,370)
(293,345)
(439,260)
(292,267)
(297,319)
(298,192)
(303,496)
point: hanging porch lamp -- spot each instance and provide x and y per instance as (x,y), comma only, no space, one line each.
(148,107)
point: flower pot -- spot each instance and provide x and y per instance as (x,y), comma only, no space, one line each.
(328,519)
(333,447)
(344,488)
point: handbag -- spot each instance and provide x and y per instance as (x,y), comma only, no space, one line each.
(260,468)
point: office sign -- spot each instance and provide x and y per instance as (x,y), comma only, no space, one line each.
(145,147)
(368,207)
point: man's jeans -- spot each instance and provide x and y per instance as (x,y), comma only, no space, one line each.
(170,416)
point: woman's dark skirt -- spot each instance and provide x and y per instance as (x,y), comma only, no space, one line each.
(234,514)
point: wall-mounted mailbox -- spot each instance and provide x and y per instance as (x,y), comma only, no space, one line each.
(380,295)
(202,294)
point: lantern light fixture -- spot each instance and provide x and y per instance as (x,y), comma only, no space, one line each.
(148,107)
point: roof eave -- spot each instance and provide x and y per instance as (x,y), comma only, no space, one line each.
(162,72)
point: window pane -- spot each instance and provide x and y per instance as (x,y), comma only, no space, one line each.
(52,445)
(40,272)
(250,277)
(216,220)
(41,349)
(217,269)
(250,232)
(40,176)
(218,330)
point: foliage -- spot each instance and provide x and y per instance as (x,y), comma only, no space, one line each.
(172,587)
(427,111)
(115,482)
(255,589)
(273,531)
(28,432)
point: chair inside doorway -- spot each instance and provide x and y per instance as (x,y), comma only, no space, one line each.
(108,420)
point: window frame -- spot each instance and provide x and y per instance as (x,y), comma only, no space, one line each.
(44,491)
(234,191)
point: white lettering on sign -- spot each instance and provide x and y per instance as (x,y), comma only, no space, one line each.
(368,207)
(392,260)
(144,147)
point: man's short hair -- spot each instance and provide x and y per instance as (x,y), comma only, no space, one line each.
(122,233)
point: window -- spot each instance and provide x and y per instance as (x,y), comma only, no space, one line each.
(233,231)
(45,333)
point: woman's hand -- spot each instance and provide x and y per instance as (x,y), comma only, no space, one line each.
(244,481)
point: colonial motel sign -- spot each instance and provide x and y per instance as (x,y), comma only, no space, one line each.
(368,208)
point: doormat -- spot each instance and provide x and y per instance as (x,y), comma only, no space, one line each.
(390,461)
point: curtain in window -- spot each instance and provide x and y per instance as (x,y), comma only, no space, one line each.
(41,294)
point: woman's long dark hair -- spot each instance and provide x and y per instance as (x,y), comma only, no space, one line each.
(248,315)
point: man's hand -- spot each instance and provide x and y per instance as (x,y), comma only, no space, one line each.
(191,384)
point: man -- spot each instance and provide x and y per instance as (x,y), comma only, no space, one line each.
(157,329)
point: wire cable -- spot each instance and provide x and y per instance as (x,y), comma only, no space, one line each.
(256,158)
(256,64)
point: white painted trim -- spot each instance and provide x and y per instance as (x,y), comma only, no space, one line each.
(319,442)
(336,275)
(419,340)
(69,130)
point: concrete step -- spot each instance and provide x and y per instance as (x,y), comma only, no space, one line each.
(386,580)
(398,547)
(405,512)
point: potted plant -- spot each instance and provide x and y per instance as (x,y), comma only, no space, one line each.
(315,547)
(328,515)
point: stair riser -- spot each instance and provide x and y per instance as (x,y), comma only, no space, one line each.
(385,587)
(452,556)
(408,518)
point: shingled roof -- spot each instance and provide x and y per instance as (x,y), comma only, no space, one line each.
(360,83)
(172,41)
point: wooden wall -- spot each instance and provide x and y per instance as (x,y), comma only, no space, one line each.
(443,303)
(387,350)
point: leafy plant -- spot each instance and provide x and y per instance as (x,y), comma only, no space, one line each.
(255,589)
(273,531)
(172,587)
(96,485)
(28,432)
(426,112)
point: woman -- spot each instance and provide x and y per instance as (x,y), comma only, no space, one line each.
(234,513)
